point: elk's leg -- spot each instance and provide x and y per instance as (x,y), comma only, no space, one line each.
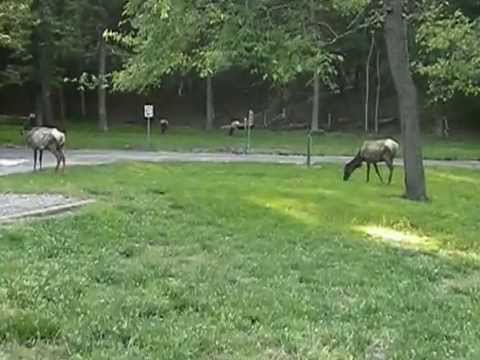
(57,155)
(63,159)
(390,167)
(41,159)
(368,172)
(378,172)
(34,159)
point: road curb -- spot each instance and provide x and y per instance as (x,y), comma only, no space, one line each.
(46,211)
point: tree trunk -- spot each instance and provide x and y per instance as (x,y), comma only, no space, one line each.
(38,109)
(83,104)
(63,108)
(316,83)
(438,126)
(42,46)
(316,102)
(441,125)
(398,57)
(45,85)
(379,89)
(102,84)
(367,83)
(210,104)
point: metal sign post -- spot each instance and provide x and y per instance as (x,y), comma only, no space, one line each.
(149,113)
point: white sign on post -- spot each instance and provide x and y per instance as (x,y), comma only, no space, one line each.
(148,111)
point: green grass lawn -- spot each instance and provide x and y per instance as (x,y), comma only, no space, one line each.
(263,141)
(243,262)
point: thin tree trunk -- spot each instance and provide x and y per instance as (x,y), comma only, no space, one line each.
(102,91)
(367,83)
(316,82)
(398,57)
(63,107)
(379,89)
(316,102)
(210,104)
(83,104)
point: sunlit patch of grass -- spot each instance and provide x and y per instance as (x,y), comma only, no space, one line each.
(455,177)
(243,262)
(391,235)
(299,210)
(399,238)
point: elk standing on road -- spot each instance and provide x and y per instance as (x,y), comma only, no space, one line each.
(40,138)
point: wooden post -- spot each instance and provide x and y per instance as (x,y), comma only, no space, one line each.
(248,124)
(309,148)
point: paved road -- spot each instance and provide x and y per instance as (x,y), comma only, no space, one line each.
(13,161)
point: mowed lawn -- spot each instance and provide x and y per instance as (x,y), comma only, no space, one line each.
(243,262)
(263,141)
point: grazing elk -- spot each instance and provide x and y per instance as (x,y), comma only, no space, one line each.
(163,125)
(373,152)
(236,124)
(40,138)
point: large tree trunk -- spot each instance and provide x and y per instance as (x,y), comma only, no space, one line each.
(44,66)
(210,104)
(367,84)
(398,57)
(102,85)
(63,106)
(316,102)
(42,46)
(379,89)
(38,108)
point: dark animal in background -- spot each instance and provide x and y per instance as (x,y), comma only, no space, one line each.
(373,152)
(163,125)
(40,138)
(236,124)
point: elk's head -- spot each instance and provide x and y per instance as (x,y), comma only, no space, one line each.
(351,166)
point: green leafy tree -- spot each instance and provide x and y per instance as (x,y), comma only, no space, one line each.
(278,40)
(448,53)
(283,41)
(97,58)
(54,43)
(170,37)
(15,23)
(15,29)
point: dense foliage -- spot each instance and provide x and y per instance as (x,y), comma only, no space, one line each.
(48,41)
(15,23)
(279,40)
(449,53)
